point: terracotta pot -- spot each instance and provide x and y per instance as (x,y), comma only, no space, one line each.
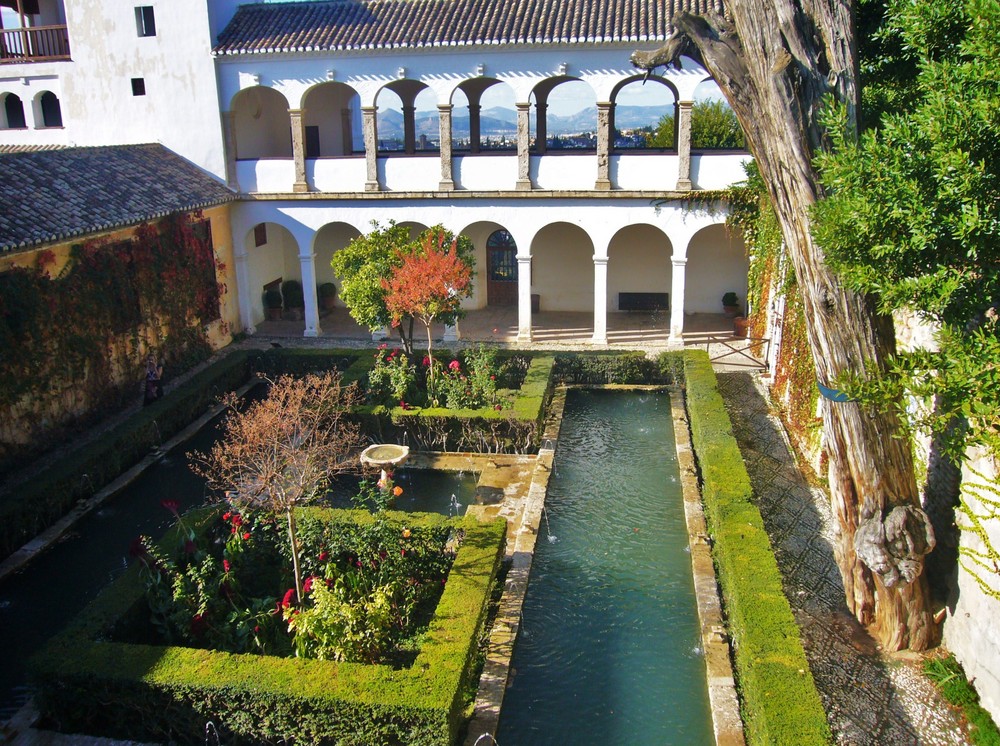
(740,324)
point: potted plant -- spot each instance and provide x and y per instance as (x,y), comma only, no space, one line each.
(272,304)
(291,291)
(731,305)
(327,293)
(740,325)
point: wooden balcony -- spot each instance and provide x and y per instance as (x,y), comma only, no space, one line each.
(37,44)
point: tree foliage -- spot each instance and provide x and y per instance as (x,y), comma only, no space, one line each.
(368,260)
(429,284)
(913,215)
(281,452)
(713,127)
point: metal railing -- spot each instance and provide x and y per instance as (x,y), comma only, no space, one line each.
(35,44)
(751,352)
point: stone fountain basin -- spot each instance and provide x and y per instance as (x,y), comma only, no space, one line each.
(385,454)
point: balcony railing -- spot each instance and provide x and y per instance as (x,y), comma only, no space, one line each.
(35,44)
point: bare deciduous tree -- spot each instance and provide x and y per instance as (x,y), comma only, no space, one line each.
(281,452)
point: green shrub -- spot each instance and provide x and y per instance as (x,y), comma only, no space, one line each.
(88,683)
(948,675)
(779,700)
(601,368)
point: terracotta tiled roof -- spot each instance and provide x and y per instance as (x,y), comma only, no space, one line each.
(56,195)
(342,25)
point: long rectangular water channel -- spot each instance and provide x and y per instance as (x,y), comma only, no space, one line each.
(608,650)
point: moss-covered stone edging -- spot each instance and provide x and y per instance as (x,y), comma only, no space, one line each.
(780,703)
(160,692)
(724,702)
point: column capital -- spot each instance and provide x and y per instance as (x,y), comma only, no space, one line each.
(600,261)
(679,262)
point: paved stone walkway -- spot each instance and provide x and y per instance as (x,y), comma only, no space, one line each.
(870,698)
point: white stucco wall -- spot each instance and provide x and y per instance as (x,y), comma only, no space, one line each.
(717,263)
(180,108)
(970,629)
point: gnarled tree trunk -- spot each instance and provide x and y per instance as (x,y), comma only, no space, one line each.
(775,60)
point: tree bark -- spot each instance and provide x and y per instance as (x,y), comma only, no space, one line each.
(775,61)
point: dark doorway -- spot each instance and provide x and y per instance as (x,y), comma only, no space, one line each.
(501,269)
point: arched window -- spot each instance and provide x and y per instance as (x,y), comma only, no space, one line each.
(501,269)
(13,111)
(51,111)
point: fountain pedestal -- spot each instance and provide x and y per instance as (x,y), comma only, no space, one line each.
(386,456)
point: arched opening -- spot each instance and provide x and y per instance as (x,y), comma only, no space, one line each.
(13,112)
(713,123)
(644,114)
(407,119)
(332,121)
(562,270)
(639,263)
(262,125)
(485,117)
(273,261)
(48,102)
(716,264)
(330,239)
(565,115)
(501,269)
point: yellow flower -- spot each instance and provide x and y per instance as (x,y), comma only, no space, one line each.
(406,533)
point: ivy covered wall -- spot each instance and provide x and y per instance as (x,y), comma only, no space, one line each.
(77,321)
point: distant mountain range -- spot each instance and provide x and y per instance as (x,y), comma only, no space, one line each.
(498,121)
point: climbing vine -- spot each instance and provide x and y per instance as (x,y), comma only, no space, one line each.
(72,345)
(770,274)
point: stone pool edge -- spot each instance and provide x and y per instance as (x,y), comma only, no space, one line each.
(723,700)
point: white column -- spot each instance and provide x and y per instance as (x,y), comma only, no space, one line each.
(243,290)
(523,148)
(524,298)
(684,145)
(447,182)
(677,299)
(369,125)
(307,261)
(600,300)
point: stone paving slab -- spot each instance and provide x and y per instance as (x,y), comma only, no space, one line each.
(870,697)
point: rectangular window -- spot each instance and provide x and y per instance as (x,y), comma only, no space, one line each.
(312,141)
(145,23)
(260,234)
(138,87)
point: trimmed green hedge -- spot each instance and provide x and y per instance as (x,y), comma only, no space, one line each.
(610,367)
(779,698)
(34,506)
(90,684)
(515,430)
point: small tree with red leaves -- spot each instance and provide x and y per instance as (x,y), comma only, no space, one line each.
(429,284)
(282,452)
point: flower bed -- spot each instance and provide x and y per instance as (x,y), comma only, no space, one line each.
(102,676)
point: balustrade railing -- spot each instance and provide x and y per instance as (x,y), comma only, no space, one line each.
(34,44)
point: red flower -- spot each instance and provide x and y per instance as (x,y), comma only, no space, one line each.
(497,407)
(256,628)
(308,585)
(226,516)
(198,625)
(323,556)
(225,565)
(427,361)
(288,599)
(246,536)
(237,519)
(172,505)
(454,365)
(493,378)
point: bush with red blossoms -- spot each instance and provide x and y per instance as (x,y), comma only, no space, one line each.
(229,585)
